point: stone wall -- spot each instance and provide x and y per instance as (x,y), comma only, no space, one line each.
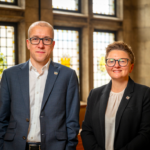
(136,32)
(32,14)
(132,26)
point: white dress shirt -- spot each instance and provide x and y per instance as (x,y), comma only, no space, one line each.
(110,116)
(36,86)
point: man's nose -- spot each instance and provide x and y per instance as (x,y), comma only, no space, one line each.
(41,45)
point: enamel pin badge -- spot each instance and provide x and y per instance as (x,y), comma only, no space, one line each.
(55,73)
(127,97)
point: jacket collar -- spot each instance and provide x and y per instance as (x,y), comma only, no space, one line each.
(103,104)
(23,77)
(123,104)
(53,73)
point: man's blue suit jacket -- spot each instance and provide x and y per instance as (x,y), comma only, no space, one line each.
(59,116)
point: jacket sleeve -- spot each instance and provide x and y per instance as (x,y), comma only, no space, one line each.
(72,112)
(87,135)
(4,108)
(142,140)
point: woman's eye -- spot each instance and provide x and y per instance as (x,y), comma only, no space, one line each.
(122,61)
(111,61)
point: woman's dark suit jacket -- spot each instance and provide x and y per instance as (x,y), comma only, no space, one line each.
(132,125)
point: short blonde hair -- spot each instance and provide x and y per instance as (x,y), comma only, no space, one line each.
(42,24)
(119,45)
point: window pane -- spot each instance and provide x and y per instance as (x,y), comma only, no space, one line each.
(66,50)
(104,7)
(66,4)
(100,42)
(7,1)
(7,51)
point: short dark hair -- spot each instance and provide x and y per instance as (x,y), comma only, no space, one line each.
(119,45)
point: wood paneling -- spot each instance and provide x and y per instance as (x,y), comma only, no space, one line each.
(79,146)
(82,114)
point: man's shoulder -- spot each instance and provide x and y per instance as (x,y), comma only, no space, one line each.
(15,67)
(62,67)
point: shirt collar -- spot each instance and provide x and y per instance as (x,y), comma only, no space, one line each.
(46,66)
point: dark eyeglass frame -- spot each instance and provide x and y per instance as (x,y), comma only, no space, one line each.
(118,62)
(40,40)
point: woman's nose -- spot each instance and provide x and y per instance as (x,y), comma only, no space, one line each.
(117,64)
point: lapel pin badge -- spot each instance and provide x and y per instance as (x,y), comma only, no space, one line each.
(55,73)
(127,97)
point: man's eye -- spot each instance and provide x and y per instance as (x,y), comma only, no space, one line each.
(35,39)
(47,39)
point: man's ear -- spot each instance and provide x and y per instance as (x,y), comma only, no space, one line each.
(28,43)
(53,44)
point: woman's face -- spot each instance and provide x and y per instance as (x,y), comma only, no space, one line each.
(118,72)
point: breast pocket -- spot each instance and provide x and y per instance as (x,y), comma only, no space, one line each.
(131,107)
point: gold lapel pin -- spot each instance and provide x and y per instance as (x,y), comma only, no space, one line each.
(55,73)
(127,97)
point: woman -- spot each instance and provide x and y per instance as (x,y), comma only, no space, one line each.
(118,113)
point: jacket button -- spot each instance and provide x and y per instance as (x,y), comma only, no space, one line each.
(27,120)
(24,137)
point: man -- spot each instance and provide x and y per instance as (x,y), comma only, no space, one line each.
(39,103)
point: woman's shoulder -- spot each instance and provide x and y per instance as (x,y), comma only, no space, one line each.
(136,87)
(141,87)
(100,87)
(99,90)
(141,90)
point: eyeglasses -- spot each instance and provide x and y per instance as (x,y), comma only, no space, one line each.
(36,40)
(122,62)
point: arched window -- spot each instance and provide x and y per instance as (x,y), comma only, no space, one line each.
(8,2)
(104,7)
(67,5)
(101,39)
(8,48)
(67,48)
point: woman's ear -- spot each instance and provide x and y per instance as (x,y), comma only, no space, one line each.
(131,68)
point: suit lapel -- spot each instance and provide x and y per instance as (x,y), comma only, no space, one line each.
(124,102)
(51,78)
(24,83)
(103,104)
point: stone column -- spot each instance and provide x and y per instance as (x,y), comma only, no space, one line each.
(137,34)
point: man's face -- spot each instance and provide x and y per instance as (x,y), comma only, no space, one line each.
(40,54)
